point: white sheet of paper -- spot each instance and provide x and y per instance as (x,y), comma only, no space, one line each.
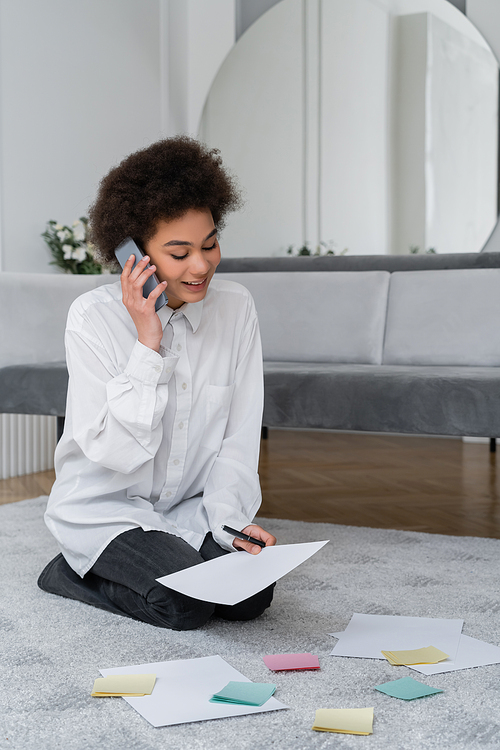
(471,653)
(232,578)
(183,689)
(367,635)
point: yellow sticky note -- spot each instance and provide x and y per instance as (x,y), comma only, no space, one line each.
(344,720)
(429,655)
(129,685)
(390,658)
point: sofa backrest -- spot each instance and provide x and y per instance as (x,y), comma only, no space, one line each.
(33,312)
(444,318)
(340,263)
(319,316)
(439,317)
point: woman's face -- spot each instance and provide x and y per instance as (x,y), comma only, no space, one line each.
(186,253)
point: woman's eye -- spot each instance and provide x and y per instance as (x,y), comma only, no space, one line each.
(181,257)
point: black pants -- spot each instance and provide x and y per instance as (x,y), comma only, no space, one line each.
(123,581)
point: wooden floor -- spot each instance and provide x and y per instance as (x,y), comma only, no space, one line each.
(436,485)
(22,488)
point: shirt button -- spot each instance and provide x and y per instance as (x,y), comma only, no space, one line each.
(168,494)
(179,347)
(176,462)
(157,368)
(184,386)
(169,369)
(181,425)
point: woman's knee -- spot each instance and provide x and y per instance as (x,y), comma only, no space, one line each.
(179,612)
(248,609)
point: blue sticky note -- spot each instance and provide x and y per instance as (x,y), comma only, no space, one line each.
(406,688)
(246,693)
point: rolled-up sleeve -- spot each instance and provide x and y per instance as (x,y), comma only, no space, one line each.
(116,416)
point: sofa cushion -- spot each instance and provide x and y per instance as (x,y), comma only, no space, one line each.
(34,308)
(444,318)
(319,316)
(383,398)
(34,389)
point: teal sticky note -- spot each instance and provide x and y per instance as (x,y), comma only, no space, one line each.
(407,688)
(247,693)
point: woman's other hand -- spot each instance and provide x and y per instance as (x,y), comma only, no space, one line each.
(142,310)
(258,533)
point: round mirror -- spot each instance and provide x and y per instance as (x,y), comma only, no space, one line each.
(368,125)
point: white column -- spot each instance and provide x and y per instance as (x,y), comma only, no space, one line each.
(200,35)
(311,114)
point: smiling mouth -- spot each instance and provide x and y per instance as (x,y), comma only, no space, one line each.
(195,284)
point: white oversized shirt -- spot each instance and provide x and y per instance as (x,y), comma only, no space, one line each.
(164,441)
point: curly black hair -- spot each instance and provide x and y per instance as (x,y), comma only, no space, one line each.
(162,181)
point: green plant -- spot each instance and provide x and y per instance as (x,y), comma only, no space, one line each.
(323,248)
(70,248)
(414,249)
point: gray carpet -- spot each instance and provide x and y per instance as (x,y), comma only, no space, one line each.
(51,648)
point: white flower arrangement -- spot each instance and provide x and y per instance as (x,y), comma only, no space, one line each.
(70,248)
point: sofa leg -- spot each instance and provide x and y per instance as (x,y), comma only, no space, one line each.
(264,433)
(60,427)
(493,445)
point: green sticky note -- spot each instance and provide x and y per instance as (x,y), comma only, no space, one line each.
(407,688)
(246,693)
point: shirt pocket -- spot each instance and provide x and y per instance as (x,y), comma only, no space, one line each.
(218,400)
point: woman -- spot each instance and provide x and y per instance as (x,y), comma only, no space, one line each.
(163,419)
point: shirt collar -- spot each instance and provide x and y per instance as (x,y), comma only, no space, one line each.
(191,310)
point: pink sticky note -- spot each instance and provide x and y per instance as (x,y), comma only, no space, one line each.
(279,662)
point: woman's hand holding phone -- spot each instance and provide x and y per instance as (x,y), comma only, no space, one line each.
(141,309)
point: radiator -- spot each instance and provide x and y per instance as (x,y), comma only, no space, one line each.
(27,444)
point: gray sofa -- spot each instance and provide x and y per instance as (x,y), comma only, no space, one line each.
(407,344)
(401,344)
(33,311)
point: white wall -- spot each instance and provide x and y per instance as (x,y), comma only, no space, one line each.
(446,137)
(201,33)
(304,127)
(354,126)
(325,71)
(79,89)
(485,15)
(82,84)
(462,118)
(252,117)
(248,11)
(408,119)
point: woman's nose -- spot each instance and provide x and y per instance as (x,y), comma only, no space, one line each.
(199,264)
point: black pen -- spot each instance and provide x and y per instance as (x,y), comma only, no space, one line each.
(245,537)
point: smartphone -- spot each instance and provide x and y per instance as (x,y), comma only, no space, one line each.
(123,252)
